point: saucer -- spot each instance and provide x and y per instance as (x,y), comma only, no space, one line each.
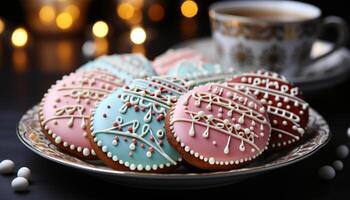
(30,134)
(325,73)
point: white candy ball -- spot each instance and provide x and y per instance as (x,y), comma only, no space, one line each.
(342,151)
(338,165)
(326,172)
(7,167)
(348,132)
(19,184)
(24,172)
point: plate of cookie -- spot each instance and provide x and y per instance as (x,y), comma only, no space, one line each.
(199,126)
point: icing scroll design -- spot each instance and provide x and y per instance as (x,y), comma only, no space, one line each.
(71,112)
(87,88)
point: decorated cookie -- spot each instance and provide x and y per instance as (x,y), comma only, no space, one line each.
(163,63)
(201,72)
(127,128)
(65,109)
(216,127)
(287,110)
(127,67)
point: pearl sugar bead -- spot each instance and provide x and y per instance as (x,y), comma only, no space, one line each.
(24,172)
(7,167)
(19,184)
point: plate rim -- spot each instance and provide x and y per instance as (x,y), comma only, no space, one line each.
(176,176)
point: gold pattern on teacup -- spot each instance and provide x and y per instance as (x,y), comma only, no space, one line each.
(273,58)
(241,55)
(265,31)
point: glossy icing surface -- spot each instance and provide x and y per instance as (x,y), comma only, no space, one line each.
(287,110)
(128,125)
(166,61)
(65,109)
(125,66)
(220,125)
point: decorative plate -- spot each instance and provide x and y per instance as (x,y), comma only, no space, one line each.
(30,134)
(325,73)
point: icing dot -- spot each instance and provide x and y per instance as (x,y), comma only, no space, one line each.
(58,140)
(211,160)
(132,166)
(237,126)
(251,104)
(285,123)
(114,158)
(226,121)
(149,154)
(214,142)
(86,152)
(139,167)
(201,113)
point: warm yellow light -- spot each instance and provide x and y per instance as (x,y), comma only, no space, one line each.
(156,12)
(139,49)
(73,10)
(2,26)
(138,35)
(125,11)
(19,37)
(64,20)
(189,8)
(47,14)
(100,29)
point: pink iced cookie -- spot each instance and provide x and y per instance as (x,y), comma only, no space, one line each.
(163,63)
(65,109)
(215,127)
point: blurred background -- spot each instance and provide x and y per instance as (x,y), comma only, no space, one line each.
(42,39)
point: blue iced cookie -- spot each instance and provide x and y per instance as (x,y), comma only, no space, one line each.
(127,127)
(201,72)
(125,66)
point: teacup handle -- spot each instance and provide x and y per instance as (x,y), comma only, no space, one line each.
(342,30)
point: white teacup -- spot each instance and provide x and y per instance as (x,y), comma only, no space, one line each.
(273,35)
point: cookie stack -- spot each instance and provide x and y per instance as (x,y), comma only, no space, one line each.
(116,109)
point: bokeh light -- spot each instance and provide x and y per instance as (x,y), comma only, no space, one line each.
(100,29)
(47,14)
(19,37)
(73,10)
(139,49)
(189,8)
(138,35)
(125,11)
(156,12)
(2,25)
(64,20)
